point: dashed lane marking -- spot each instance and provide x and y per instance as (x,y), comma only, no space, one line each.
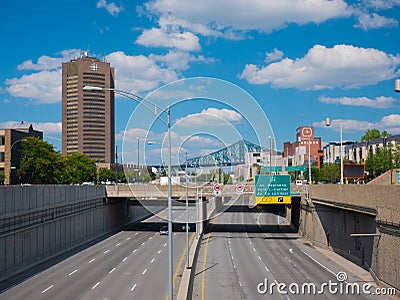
(44,291)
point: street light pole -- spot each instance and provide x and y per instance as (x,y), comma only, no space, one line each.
(309,161)
(138,163)
(341,153)
(144,102)
(328,123)
(170,266)
(187,216)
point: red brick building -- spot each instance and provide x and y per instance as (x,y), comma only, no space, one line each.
(296,153)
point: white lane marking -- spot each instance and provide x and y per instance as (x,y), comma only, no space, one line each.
(134,251)
(105,252)
(93,287)
(174,233)
(152,261)
(73,272)
(118,244)
(128,238)
(254,249)
(240,283)
(92,260)
(266,268)
(112,270)
(259,257)
(143,243)
(125,259)
(144,272)
(136,233)
(234,266)
(159,251)
(133,287)
(317,262)
(150,238)
(165,244)
(291,250)
(250,242)
(44,291)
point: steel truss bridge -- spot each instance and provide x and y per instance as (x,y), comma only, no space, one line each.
(229,156)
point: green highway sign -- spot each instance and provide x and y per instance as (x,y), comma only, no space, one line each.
(269,169)
(295,168)
(272,185)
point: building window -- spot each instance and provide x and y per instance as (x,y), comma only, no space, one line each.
(1,156)
(2,140)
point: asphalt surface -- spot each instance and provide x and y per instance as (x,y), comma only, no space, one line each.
(132,264)
(249,249)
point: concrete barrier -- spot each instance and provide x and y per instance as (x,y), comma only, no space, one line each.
(41,222)
(335,212)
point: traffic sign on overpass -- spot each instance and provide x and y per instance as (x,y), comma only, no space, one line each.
(272,189)
(295,168)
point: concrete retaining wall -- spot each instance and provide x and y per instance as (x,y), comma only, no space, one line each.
(49,220)
(330,227)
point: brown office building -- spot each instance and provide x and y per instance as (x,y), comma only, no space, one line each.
(88,116)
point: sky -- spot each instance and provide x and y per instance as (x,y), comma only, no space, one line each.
(287,63)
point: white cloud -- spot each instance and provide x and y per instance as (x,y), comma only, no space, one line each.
(326,68)
(210,117)
(178,60)
(133,73)
(381,4)
(158,37)
(46,127)
(50,63)
(273,56)
(42,87)
(378,102)
(390,123)
(139,73)
(374,21)
(224,17)
(111,8)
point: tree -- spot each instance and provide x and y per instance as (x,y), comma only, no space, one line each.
(106,175)
(40,163)
(371,134)
(78,168)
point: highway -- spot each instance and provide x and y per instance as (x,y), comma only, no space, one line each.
(132,264)
(247,250)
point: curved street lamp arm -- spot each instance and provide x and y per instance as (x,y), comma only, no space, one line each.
(133,97)
(136,98)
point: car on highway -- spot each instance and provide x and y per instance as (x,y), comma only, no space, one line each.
(164,230)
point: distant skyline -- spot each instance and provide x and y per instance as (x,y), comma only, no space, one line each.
(302,61)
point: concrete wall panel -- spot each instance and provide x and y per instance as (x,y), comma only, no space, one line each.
(10,251)
(17,199)
(2,201)
(18,246)
(26,246)
(2,254)
(34,242)
(10,200)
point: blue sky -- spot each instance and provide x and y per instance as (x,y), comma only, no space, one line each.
(300,60)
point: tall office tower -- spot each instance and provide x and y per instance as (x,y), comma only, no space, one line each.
(88,116)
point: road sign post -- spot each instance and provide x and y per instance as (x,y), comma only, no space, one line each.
(239,188)
(217,189)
